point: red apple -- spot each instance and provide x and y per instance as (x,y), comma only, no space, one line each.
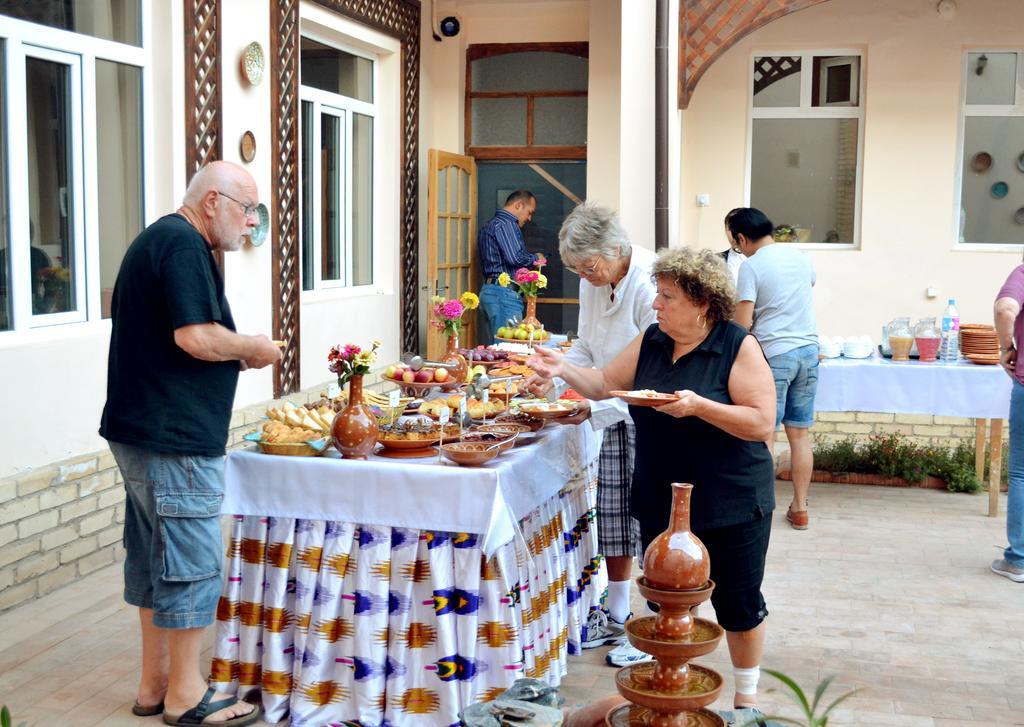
(393,372)
(425,376)
(441,375)
(408,376)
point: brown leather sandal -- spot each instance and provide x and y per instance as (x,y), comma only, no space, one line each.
(798,520)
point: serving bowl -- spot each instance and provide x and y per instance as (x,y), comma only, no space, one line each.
(469,454)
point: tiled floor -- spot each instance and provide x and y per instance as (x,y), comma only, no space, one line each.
(889,590)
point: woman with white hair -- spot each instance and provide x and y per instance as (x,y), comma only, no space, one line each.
(616,294)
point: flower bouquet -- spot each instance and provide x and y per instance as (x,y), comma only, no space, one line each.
(448,312)
(354,429)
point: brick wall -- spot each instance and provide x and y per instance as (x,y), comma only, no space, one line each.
(920,428)
(63,521)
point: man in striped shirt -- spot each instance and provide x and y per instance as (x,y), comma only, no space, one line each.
(501,249)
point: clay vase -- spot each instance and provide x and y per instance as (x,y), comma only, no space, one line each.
(355,427)
(531,310)
(676,560)
(457,372)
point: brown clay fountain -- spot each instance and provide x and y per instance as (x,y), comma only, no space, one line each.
(671,692)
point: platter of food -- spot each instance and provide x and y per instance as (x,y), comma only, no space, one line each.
(645,397)
(510,369)
(518,417)
(524,433)
(294,431)
(474,407)
(413,438)
(549,409)
(505,441)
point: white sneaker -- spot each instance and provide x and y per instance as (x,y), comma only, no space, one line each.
(1005,568)
(625,654)
(602,629)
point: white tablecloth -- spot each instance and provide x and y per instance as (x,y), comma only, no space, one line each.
(911,387)
(422,494)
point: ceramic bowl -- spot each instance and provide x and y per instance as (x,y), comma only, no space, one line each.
(999,190)
(469,454)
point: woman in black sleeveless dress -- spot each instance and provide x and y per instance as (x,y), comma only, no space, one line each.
(715,437)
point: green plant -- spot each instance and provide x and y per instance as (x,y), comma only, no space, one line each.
(841,456)
(5,718)
(894,455)
(809,708)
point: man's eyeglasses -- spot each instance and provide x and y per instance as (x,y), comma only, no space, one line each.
(589,270)
(247,209)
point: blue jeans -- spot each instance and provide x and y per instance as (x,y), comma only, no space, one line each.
(1014,553)
(172,534)
(796,381)
(497,305)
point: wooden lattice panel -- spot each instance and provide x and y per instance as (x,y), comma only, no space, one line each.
(202,84)
(286,278)
(707,28)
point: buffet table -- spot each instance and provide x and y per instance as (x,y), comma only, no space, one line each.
(399,591)
(960,389)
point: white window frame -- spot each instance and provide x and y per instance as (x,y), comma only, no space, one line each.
(1016,109)
(20,39)
(335,104)
(806,111)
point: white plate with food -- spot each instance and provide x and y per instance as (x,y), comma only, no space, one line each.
(549,409)
(645,397)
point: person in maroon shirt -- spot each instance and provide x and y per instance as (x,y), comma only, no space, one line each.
(1010,329)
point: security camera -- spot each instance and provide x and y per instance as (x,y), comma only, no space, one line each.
(450,26)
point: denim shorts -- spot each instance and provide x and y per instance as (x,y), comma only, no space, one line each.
(497,305)
(172,534)
(796,381)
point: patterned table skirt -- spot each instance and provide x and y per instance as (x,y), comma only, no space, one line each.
(340,623)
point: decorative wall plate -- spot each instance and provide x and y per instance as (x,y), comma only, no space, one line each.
(981,162)
(1020,161)
(247,147)
(259,233)
(1018,216)
(253,61)
(999,189)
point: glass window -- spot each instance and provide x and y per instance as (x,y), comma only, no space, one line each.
(560,121)
(776,81)
(530,71)
(803,175)
(119,167)
(332,264)
(306,155)
(992,197)
(118,20)
(336,156)
(991,79)
(805,158)
(991,208)
(499,122)
(362,199)
(50,192)
(6,315)
(336,71)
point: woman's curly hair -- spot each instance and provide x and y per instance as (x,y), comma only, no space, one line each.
(703,276)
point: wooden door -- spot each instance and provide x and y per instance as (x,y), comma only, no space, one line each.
(451,238)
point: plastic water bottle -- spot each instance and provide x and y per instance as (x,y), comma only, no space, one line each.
(950,348)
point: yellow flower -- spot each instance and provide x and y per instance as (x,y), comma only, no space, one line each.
(469,300)
(542,280)
(365,358)
(504,280)
(435,299)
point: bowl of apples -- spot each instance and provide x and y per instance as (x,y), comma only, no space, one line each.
(414,383)
(522,333)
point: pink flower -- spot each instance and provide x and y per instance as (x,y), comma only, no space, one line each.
(350,351)
(521,275)
(452,309)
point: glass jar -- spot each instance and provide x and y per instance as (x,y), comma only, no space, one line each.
(901,338)
(927,337)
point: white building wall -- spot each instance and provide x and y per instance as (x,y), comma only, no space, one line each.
(912,67)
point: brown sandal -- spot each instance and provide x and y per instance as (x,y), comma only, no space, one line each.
(798,520)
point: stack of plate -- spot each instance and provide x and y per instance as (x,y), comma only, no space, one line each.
(858,347)
(830,346)
(979,343)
